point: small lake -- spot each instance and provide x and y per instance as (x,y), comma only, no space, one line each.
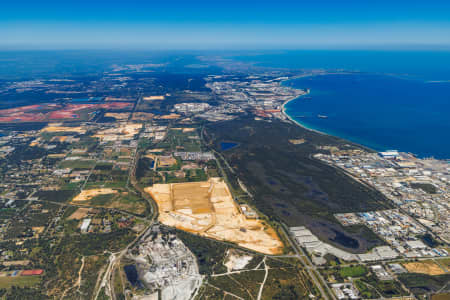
(344,240)
(132,274)
(227,145)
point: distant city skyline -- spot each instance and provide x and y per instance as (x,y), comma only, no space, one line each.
(231,24)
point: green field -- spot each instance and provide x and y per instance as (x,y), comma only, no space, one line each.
(356,271)
(21,281)
(77,164)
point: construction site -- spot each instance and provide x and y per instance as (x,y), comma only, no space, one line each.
(207,208)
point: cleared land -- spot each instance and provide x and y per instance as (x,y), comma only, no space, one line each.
(153,98)
(56,128)
(79,214)
(110,198)
(424,267)
(118,116)
(207,208)
(87,195)
(127,130)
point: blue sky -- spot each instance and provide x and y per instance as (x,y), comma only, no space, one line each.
(225,24)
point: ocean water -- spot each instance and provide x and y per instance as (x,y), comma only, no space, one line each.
(378,111)
(392,100)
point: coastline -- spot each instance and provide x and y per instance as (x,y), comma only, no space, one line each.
(361,143)
(286,115)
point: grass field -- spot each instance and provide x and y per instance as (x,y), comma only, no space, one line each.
(77,164)
(356,271)
(21,281)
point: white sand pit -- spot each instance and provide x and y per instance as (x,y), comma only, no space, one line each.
(123,131)
(236,261)
(208,208)
(153,98)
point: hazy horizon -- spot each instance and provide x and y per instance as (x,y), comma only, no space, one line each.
(232,25)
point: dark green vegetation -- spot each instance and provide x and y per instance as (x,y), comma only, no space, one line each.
(145,175)
(289,184)
(287,283)
(55,196)
(210,254)
(285,280)
(63,261)
(421,283)
(426,187)
(37,214)
(245,284)
(371,288)
(22,293)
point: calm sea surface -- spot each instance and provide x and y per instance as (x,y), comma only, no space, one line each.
(398,100)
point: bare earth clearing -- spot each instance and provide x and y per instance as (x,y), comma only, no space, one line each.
(79,214)
(207,208)
(56,128)
(424,267)
(87,195)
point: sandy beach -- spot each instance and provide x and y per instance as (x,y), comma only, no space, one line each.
(283,109)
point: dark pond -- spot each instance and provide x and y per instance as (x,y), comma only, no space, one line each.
(345,240)
(132,274)
(227,145)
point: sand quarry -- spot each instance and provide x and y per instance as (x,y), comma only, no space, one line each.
(207,208)
(424,267)
(125,130)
